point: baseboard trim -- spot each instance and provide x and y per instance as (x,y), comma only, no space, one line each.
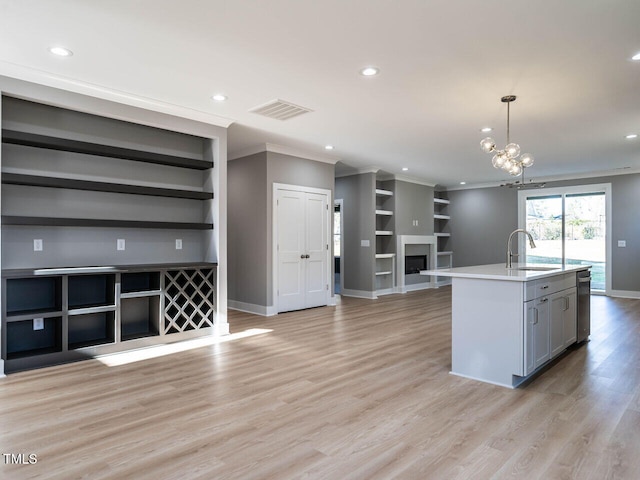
(624,294)
(265,311)
(359,294)
(415,287)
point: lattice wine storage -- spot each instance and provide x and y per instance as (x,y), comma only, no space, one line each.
(189,300)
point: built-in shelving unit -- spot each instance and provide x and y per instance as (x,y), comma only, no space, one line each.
(385,256)
(57,318)
(74,187)
(444,254)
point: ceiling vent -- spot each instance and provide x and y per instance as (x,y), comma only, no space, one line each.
(280,110)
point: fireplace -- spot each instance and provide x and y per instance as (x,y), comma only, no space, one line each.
(414,263)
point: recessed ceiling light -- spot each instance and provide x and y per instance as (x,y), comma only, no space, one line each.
(218,97)
(60,51)
(486,129)
(405,169)
(631,136)
(463,183)
(636,56)
(328,147)
(369,71)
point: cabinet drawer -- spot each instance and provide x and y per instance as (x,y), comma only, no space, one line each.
(549,285)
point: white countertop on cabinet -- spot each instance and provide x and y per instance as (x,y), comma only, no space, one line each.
(498,271)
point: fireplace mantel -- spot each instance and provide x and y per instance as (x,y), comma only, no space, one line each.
(401,242)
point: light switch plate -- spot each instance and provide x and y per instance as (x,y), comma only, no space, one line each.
(622,243)
(178,244)
(365,243)
(120,244)
(38,323)
(37,244)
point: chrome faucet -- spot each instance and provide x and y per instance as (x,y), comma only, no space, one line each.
(510,254)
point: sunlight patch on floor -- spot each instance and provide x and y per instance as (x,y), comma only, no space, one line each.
(124,358)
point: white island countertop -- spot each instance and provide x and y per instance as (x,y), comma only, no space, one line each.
(499,271)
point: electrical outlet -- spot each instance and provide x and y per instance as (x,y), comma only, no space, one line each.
(178,244)
(120,244)
(37,244)
(622,243)
(365,243)
(38,323)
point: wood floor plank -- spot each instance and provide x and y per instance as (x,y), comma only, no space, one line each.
(361,390)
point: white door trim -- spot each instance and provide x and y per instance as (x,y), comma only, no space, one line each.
(274,236)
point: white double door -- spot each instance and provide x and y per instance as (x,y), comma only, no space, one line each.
(302,249)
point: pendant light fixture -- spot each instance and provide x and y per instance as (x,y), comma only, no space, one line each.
(508,159)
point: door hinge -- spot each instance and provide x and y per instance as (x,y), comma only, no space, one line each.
(327,246)
(327,286)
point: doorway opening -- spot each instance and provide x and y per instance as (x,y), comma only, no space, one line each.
(337,247)
(570,225)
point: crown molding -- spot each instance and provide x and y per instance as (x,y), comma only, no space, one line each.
(285,150)
(41,77)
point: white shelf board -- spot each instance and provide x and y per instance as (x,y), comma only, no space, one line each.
(385,255)
(442,234)
(442,217)
(441,200)
(384,193)
(379,274)
(444,253)
(384,212)
(384,232)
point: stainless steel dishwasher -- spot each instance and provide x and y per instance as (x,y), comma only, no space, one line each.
(583,278)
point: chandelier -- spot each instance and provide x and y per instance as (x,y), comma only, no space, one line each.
(508,159)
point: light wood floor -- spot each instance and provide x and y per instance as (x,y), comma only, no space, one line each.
(361,391)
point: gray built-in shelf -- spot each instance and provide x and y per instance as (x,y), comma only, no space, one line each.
(82,314)
(95,222)
(76,146)
(73,184)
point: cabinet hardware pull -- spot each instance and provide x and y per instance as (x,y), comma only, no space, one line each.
(545,287)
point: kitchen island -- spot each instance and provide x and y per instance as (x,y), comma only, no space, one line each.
(507,324)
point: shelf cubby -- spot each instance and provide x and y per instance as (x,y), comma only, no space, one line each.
(91,329)
(139,317)
(86,291)
(24,341)
(26,296)
(139,282)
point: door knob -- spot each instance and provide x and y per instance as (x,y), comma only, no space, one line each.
(301,256)
(306,256)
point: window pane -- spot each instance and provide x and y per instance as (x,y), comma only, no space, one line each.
(544,221)
(585,228)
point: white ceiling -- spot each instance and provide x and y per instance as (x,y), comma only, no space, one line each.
(443,67)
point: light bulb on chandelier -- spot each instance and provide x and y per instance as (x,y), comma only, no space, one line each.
(508,159)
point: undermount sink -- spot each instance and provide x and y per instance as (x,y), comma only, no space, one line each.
(536,269)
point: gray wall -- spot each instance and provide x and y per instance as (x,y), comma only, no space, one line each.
(250,208)
(481,220)
(358,195)
(413,202)
(247,226)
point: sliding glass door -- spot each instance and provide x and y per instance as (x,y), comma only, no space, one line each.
(569,226)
